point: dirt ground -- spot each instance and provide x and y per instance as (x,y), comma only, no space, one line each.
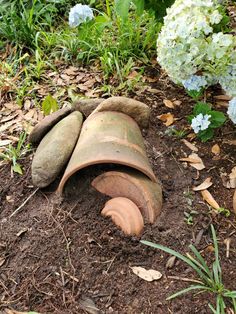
(59,255)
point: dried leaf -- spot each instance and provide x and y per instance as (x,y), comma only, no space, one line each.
(234,201)
(168,103)
(223,97)
(177,102)
(9,117)
(171,262)
(224,178)
(71,71)
(230,142)
(5,142)
(133,75)
(204,185)
(190,145)
(88,305)
(148,275)
(2,261)
(215,149)
(27,104)
(10,198)
(190,159)
(154,90)
(194,160)
(209,199)
(232,178)
(167,118)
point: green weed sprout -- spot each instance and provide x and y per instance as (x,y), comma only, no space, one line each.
(210,279)
(13,154)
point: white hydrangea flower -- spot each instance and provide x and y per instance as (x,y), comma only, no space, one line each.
(200,122)
(195,83)
(232,110)
(79,14)
(187,45)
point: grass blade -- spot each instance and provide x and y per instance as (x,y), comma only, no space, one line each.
(194,287)
(202,261)
(178,255)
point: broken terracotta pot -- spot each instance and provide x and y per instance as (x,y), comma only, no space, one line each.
(125,214)
(109,137)
(129,183)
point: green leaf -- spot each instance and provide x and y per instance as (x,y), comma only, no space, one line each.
(17,168)
(217,119)
(139,5)
(206,135)
(190,118)
(122,8)
(202,261)
(195,287)
(180,256)
(217,261)
(49,105)
(201,107)
(195,94)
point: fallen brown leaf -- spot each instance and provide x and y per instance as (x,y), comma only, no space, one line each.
(2,261)
(168,103)
(232,178)
(209,199)
(215,149)
(133,74)
(204,185)
(223,97)
(190,159)
(177,102)
(148,275)
(190,145)
(170,262)
(167,118)
(195,161)
(234,201)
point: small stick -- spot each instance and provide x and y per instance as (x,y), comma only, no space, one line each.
(23,204)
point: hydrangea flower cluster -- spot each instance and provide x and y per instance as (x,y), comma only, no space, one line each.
(232,110)
(200,122)
(190,49)
(79,14)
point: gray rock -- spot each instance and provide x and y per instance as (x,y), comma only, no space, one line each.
(86,106)
(46,124)
(55,149)
(139,111)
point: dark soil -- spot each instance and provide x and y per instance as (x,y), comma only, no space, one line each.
(59,255)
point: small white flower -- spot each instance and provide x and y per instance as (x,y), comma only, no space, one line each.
(195,83)
(232,110)
(200,122)
(79,14)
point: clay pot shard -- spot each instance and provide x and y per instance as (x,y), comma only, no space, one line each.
(125,214)
(147,195)
(137,110)
(55,149)
(46,124)
(109,138)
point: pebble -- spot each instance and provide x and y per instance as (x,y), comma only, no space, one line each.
(55,149)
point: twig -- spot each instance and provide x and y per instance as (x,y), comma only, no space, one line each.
(23,204)
(184,279)
(109,266)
